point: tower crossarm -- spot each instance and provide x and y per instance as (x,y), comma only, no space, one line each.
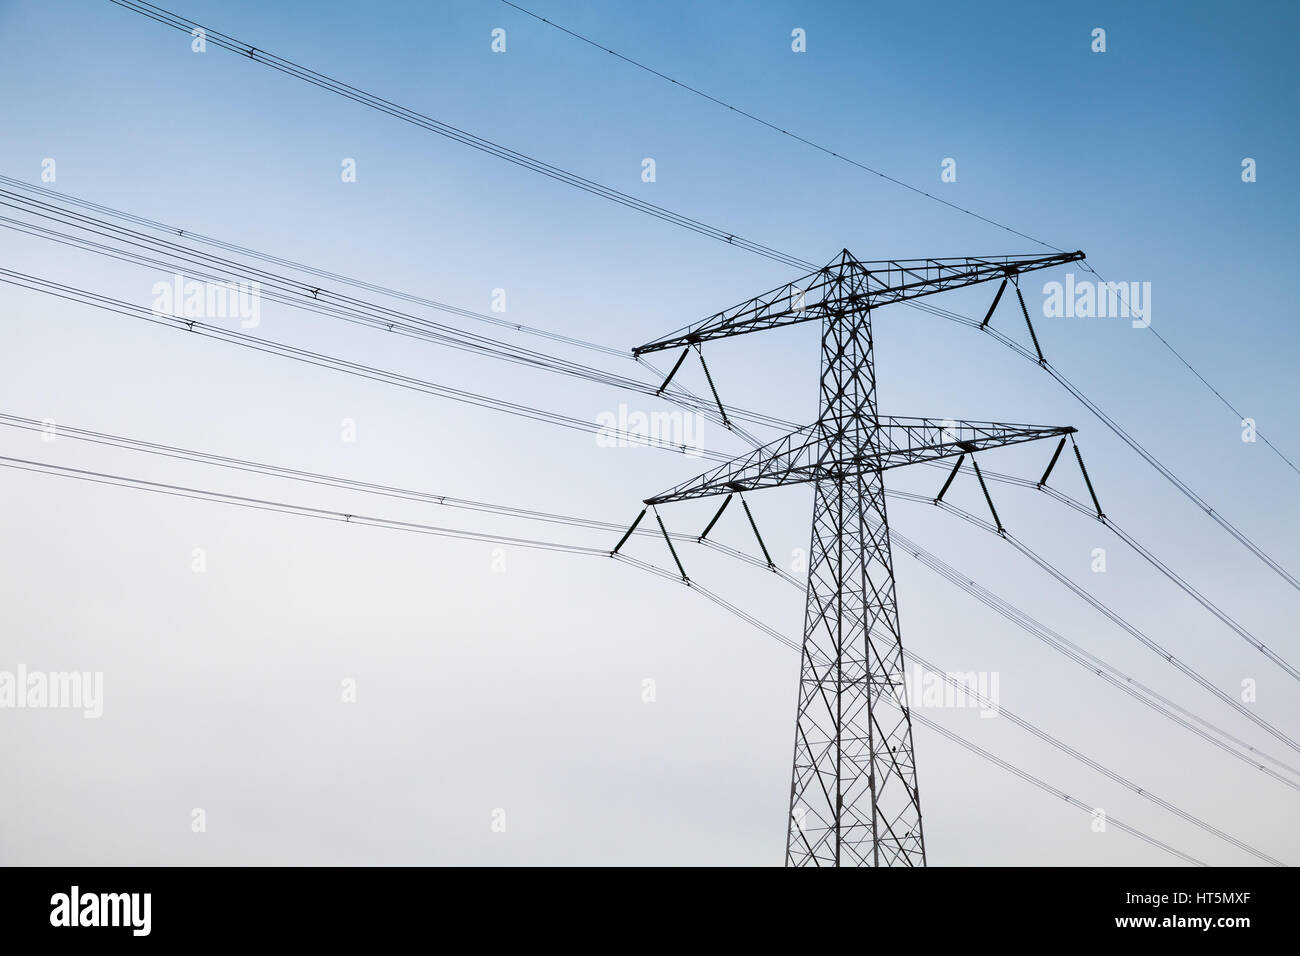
(848,284)
(909,441)
(807,454)
(789,460)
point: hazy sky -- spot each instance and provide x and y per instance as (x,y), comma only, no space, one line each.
(514,680)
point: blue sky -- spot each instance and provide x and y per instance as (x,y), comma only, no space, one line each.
(221,688)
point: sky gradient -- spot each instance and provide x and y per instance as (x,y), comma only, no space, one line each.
(514,681)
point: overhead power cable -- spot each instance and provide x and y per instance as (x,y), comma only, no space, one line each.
(777,129)
(120,307)
(254,55)
(973,693)
(1147,555)
(258,55)
(1117,678)
(1223,740)
(1048,788)
(408,297)
(180,232)
(1166,472)
(1108,612)
(969,691)
(196,265)
(1210,511)
(298,293)
(1229,699)
(336,86)
(897,182)
(308,297)
(1227,742)
(121,481)
(117,306)
(316,478)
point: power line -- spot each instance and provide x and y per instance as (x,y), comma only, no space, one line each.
(320,359)
(1079,655)
(258,55)
(410,116)
(1177,482)
(1112,675)
(1118,678)
(306,297)
(1164,470)
(309,298)
(778,129)
(1152,645)
(300,475)
(1057,744)
(851,584)
(313,270)
(1203,380)
(897,182)
(1048,788)
(1147,555)
(1098,605)
(313,358)
(253,53)
(675,390)
(321,301)
(114,305)
(280,507)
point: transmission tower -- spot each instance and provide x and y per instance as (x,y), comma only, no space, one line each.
(854,799)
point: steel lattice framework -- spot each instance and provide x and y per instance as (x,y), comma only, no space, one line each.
(853,796)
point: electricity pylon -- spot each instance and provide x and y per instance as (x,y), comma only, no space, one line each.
(853,795)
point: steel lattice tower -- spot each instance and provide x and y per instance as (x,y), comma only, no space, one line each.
(852,724)
(854,798)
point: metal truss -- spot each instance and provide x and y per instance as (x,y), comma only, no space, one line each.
(854,799)
(814,453)
(820,293)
